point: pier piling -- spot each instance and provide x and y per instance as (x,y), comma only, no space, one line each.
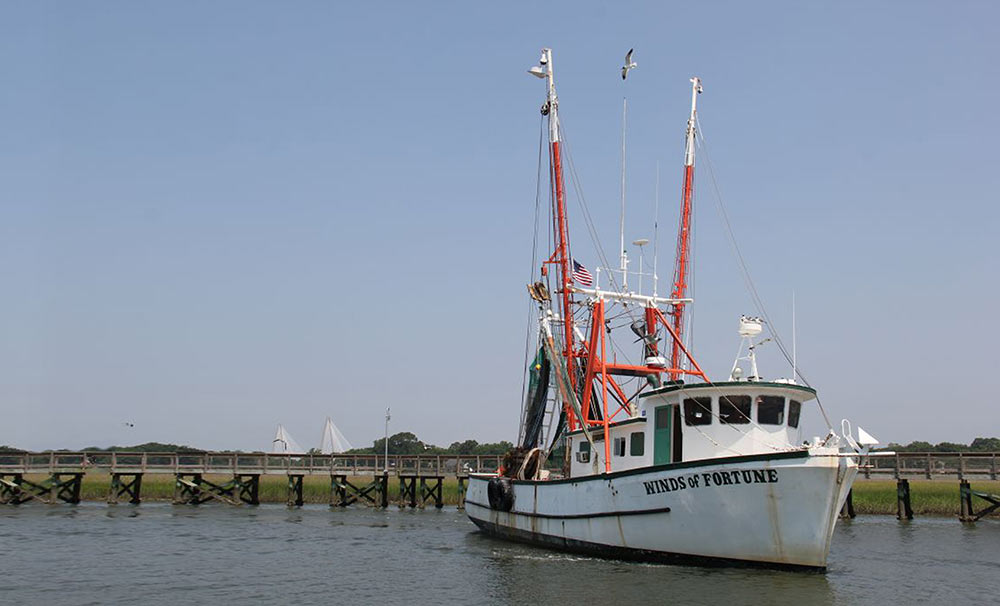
(903,509)
(295,490)
(407,490)
(847,511)
(125,485)
(967,512)
(194,489)
(344,493)
(384,494)
(11,492)
(430,488)
(16,489)
(415,490)
(461,491)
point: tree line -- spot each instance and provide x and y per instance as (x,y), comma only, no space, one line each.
(977,445)
(406,443)
(403,443)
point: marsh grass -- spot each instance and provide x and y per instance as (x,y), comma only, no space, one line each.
(927,497)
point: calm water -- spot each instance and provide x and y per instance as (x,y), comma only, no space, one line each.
(94,554)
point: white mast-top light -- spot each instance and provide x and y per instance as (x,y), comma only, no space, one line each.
(544,70)
(696,90)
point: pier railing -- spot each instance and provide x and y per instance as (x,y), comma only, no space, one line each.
(931,465)
(246,463)
(928,465)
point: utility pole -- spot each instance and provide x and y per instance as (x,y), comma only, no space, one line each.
(387,417)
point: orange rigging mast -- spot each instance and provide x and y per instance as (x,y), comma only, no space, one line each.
(683,259)
(598,373)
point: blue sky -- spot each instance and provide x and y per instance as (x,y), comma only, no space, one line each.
(216,217)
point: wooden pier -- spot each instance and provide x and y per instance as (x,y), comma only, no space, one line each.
(421,477)
(936,466)
(933,465)
(234,478)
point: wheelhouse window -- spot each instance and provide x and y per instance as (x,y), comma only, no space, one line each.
(638,446)
(697,411)
(583,452)
(619,444)
(770,410)
(734,409)
(794,411)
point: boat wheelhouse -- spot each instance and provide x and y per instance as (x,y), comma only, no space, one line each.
(679,422)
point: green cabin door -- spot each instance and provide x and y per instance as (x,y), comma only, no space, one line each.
(663,418)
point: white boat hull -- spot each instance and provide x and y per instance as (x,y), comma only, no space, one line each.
(773,510)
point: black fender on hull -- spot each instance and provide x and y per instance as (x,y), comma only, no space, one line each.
(500,492)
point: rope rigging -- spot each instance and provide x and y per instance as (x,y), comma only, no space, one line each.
(745,272)
(576,313)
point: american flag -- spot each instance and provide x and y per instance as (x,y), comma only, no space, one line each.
(581,275)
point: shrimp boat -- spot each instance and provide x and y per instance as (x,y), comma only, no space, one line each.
(659,462)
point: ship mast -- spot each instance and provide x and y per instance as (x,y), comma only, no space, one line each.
(684,234)
(586,402)
(560,256)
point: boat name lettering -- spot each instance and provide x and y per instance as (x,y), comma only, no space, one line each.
(712,478)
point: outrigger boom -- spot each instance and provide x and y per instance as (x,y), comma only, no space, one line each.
(627,297)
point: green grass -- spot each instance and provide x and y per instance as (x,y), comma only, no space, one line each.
(927,497)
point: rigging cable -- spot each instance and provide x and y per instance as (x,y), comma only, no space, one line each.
(748,281)
(534,259)
(588,219)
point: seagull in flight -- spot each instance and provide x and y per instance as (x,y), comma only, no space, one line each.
(629,63)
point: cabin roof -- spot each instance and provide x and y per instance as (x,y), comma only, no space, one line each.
(610,425)
(726,384)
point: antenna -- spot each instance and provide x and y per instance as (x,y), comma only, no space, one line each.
(656,225)
(640,243)
(629,66)
(794,352)
(621,245)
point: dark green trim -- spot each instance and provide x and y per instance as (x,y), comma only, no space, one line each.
(791,454)
(579,516)
(611,425)
(699,386)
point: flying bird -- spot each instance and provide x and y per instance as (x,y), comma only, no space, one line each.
(629,64)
